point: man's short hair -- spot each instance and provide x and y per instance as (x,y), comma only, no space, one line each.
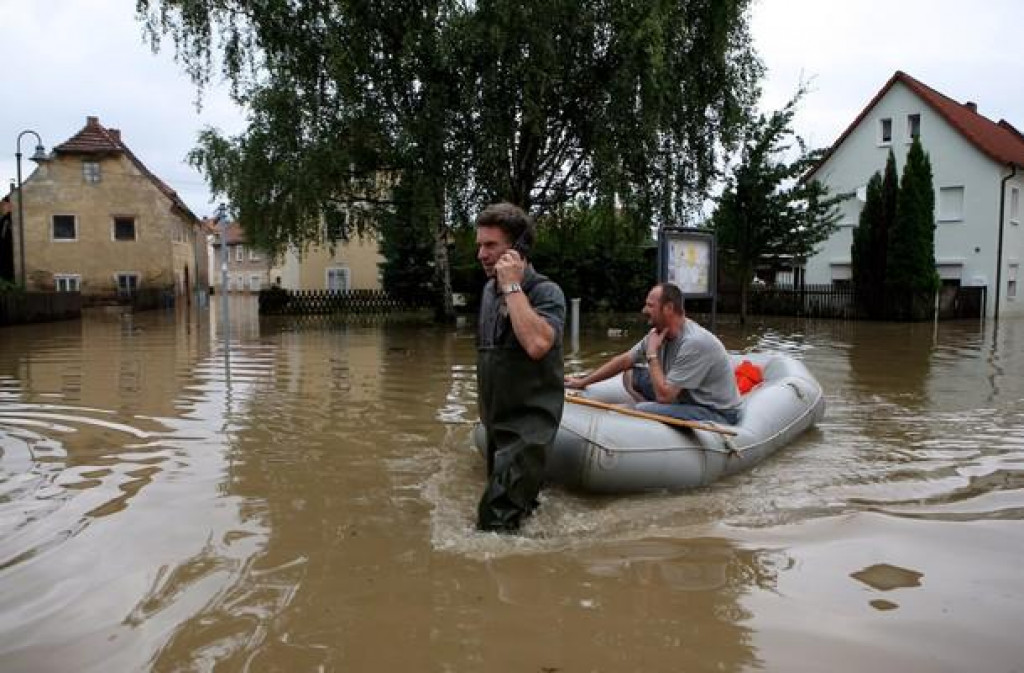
(671,294)
(511,219)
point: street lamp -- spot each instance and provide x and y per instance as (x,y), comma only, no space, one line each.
(39,155)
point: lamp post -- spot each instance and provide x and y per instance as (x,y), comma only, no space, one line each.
(37,156)
(222,224)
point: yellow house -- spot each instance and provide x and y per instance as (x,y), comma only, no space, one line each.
(248,268)
(353,265)
(99,222)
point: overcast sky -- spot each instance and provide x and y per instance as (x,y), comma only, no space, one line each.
(68,59)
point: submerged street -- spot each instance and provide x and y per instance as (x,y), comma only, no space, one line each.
(300,495)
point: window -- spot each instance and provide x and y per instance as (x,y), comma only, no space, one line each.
(124,228)
(842,274)
(913,127)
(253,255)
(337,278)
(336,224)
(91,171)
(66,282)
(1014,205)
(1011,282)
(239,252)
(65,228)
(885,131)
(951,204)
(255,282)
(127,284)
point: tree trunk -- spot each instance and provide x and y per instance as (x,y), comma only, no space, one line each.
(442,268)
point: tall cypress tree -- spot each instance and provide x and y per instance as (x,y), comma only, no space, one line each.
(863,251)
(910,273)
(880,235)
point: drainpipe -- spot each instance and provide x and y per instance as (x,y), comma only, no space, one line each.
(999,245)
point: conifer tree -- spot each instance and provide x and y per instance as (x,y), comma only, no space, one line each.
(869,253)
(911,279)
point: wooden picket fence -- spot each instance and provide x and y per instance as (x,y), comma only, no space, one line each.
(277,301)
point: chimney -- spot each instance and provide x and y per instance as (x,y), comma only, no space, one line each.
(116,134)
(972,106)
(92,121)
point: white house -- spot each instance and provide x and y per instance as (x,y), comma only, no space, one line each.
(978,170)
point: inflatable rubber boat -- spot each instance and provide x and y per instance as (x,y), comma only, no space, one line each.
(600,450)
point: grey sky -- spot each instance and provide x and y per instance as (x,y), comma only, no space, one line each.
(67,59)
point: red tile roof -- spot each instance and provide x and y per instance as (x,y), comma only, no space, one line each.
(95,139)
(1000,141)
(92,139)
(235,233)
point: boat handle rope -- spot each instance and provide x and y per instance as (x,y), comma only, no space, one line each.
(796,389)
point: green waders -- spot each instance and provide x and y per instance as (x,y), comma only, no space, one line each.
(521,402)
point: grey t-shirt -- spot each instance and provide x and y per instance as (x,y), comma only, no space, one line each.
(697,362)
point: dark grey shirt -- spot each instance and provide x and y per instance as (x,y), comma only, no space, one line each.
(545,297)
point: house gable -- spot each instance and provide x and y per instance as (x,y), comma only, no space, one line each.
(1000,141)
(94,212)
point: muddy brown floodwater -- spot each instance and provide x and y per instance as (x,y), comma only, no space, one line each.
(300,496)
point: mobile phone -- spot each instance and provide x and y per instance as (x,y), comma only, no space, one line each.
(521,246)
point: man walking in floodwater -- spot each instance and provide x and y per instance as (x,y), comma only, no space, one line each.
(519,367)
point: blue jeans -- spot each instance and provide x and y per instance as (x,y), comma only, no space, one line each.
(686,409)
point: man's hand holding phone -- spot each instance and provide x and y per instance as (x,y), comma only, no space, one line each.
(509,268)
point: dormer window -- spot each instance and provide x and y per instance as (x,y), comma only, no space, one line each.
(885,131)
(91,171)
(913,127)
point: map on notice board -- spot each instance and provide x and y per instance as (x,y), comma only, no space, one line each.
(689,265)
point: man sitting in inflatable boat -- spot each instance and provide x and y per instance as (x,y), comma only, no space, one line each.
(678,369)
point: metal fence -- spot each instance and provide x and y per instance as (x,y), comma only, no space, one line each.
(277,301)
(830,301)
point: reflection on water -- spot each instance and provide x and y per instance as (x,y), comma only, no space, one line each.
(177,493)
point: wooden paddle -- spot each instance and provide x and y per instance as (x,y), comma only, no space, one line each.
(667,420)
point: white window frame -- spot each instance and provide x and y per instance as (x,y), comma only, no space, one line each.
(1011,281)
(72,282)
(882,140)
(121,291)
(113,228)
(1014,205)
(92,174)
(239,252)
(840,271)
(53,224)
(255,282)
(254,255)
(341,271)
(910,126)
(945,216)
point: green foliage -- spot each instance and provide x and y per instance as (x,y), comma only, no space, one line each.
(911,250)
(863,254)
(602,257)
(541,103)
(10,287)
(407,243)
(766,210)
(870,249)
